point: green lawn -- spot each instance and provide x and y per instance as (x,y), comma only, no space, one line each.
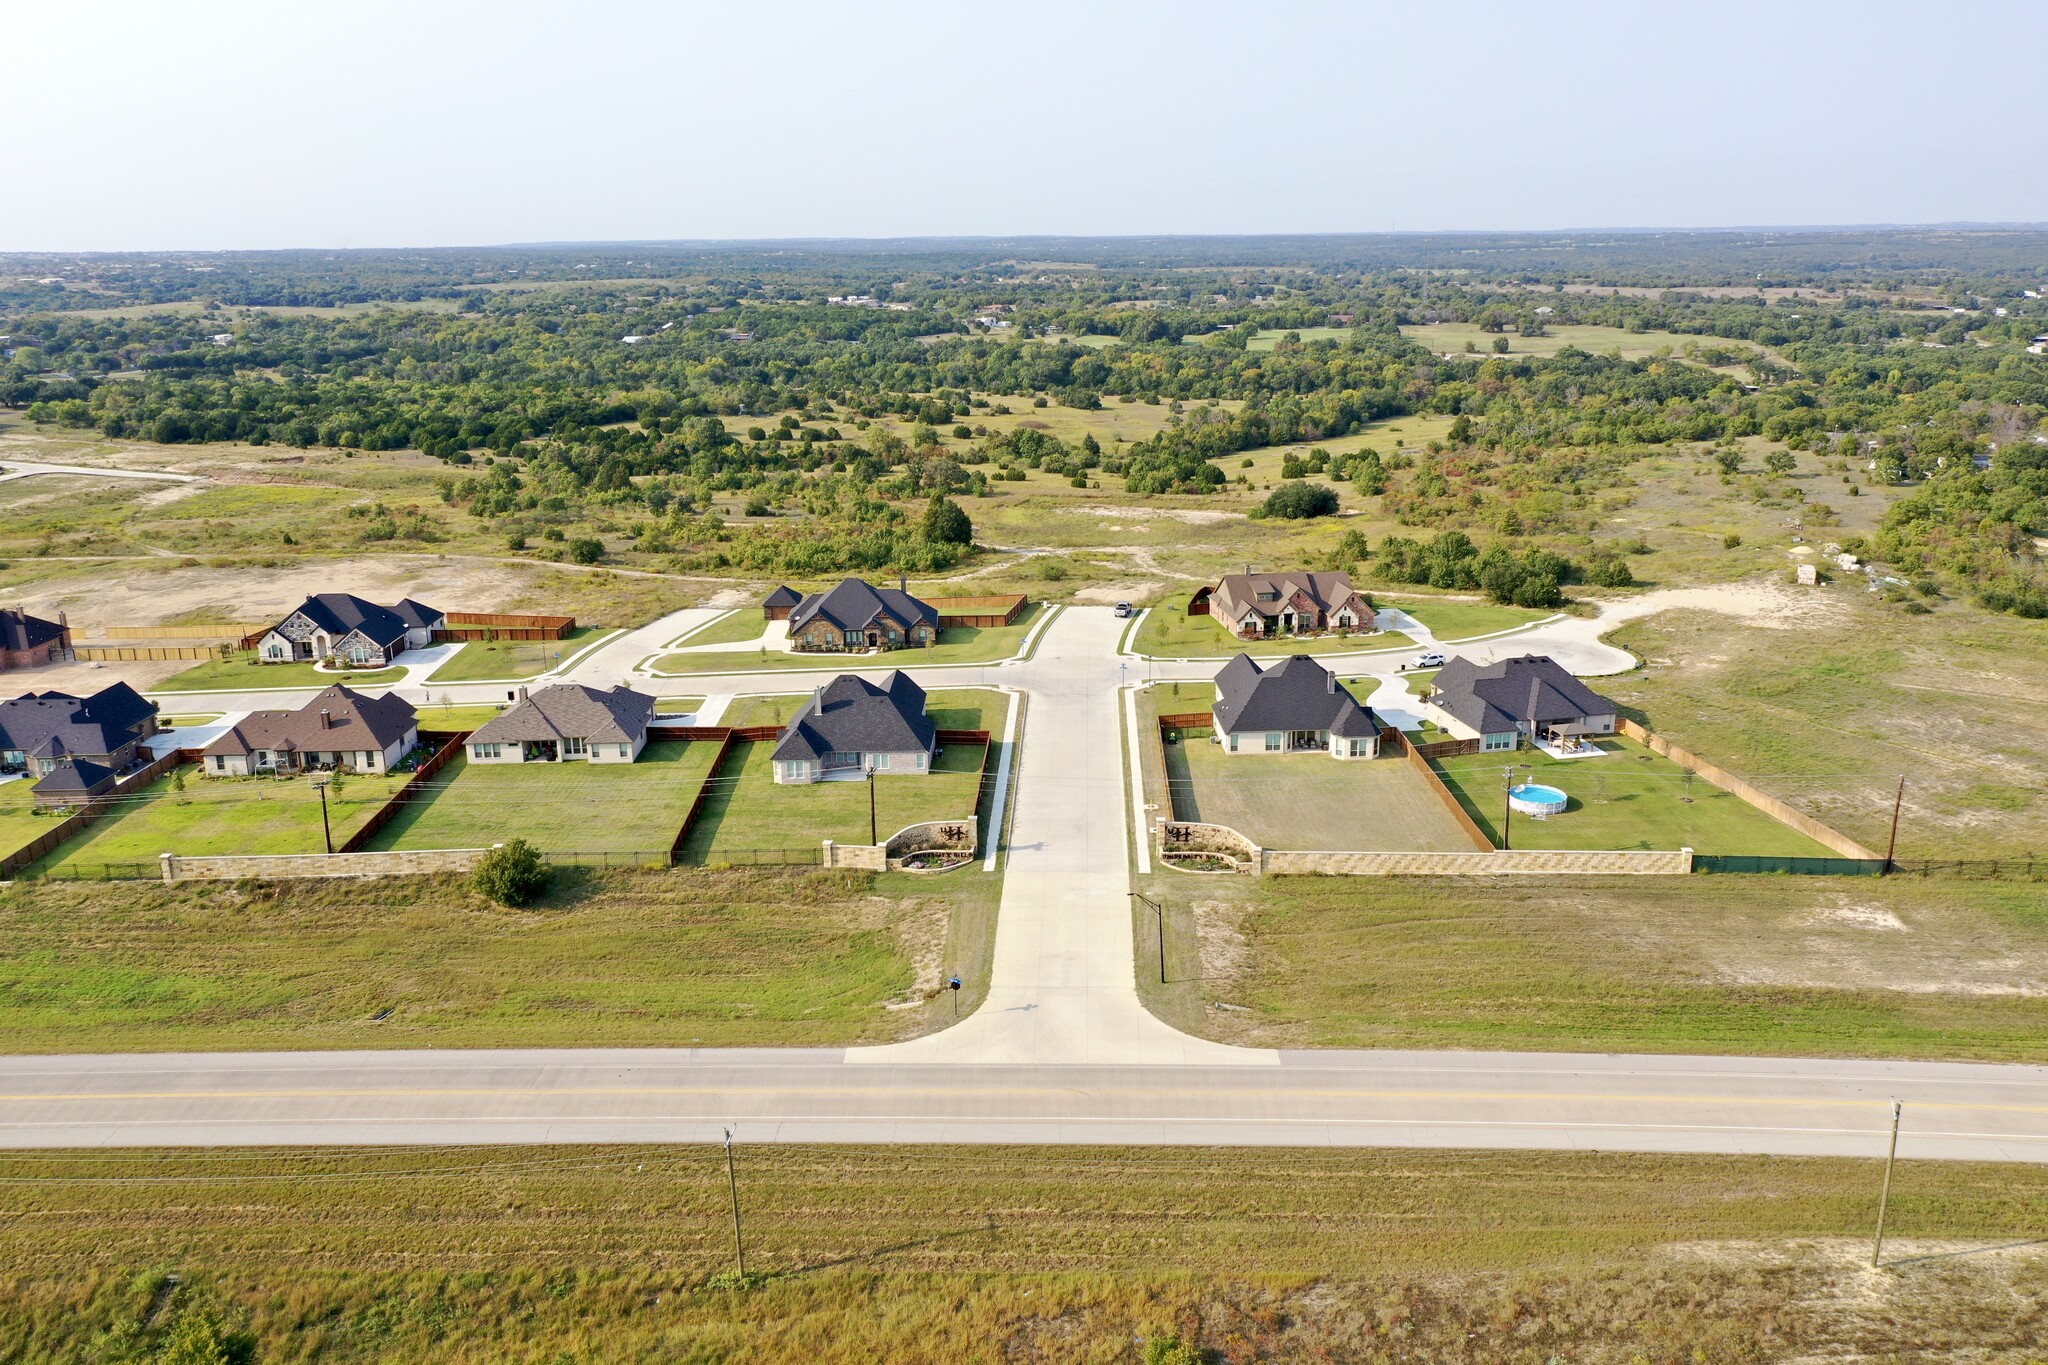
(746,623)
(241,672)
(19,824)
(677,706)
(1168,632)
(224,815)
(1462,620)
(488,661)
(956,645)
(563,808)
(1629,798)
(748,812)
(443,716)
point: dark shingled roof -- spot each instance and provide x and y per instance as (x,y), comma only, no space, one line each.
(1497,697)
(356,723)
(52,724)
(1295,694)
(571,711)
(783,596)
(75,777)
(339,613)
(19,630)
(854,605)
(851,715)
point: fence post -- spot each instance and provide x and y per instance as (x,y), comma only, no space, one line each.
(167,863)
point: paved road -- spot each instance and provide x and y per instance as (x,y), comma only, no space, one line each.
(1062,1051)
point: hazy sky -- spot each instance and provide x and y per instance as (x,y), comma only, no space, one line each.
(209,123)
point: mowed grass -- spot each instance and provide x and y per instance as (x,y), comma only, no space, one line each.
(561,808)
(19,824)
(1799,966)
(240,672)
(1168,632)
(620,958)
(892,1255)
(441,716)
(224,815)
(1450,621)
(489,660)
(738,627)
(955,645)
(1629,798)
(746,812)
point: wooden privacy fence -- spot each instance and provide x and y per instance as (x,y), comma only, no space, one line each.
(1421,764)
(414,785)
(75,823)
(1444,748)
(138,653)
(1770,805)
(461,626)
(1179,720)
(999,609)
(222,633)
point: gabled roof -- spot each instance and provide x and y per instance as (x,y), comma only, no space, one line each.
(571,711)
(74,777)
(1295,694)
(851,715)
(19,630)
(341,613)
(854,605)
(783,596)
(356,723)
(1267,593)
(52,724)
(1497,697)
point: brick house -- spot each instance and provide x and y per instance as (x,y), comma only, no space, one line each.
(1257,606)
(339,627)
(1295,706)
(856,616)
(30,641)
(339,728)
(41,730)
(852,728)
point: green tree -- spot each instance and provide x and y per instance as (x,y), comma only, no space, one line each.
(586,550)
(511,874)
(1296,501)
(1780,462)
(945,524)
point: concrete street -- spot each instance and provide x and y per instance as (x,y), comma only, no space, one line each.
(1061,1051)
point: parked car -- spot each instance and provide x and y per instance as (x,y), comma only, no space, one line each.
(1429,660)
(1123,609)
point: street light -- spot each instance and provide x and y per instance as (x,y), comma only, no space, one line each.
(326,830)
(1160,911)
(1507,823)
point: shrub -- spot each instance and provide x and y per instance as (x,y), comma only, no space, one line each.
(1295,500)
(1730,542)
(512,874)
(1052,570)
(945,524)
(586,550)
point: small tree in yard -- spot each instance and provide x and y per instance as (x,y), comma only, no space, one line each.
(586,551)
(512,874)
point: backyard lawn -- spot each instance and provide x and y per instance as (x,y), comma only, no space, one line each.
(445,717)
(956,645)
(734,628)
(1168,632)
(746,811)
(240,672)
(19,824)
(560,808)
(224,815)
(1629,798)
(490,660)
(1462,620)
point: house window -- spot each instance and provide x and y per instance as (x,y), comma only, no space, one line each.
(486,750)
(1273,741)
(572,745)
(1504,741)
(220,763)
(852,637)
(922,760)
(1233,744)
(881,762)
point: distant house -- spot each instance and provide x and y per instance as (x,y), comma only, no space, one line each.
(1530,697)
(73,782)
(851,727)
(339,728)
(855,616)
(566,723)
(1260,605)
(30,641)
(342,628)
(42,730)
(1295,706)
(777,605)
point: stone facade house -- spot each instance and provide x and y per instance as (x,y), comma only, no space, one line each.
(30,641)
(43,729)
(566,723)
(1295,706)
(855,616)
(340,728)
(1256,606)
(852,728)
(777,605)
(1529,698)
(341,628)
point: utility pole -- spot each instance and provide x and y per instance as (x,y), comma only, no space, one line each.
(873,838)
(732,1181)
(1892,846)
(326,830)
(1507,819)
(1159,911)
(1884,1196)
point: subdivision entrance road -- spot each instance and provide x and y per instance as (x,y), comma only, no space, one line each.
(1061,1052)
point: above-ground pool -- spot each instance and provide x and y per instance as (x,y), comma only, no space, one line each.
(1533,798)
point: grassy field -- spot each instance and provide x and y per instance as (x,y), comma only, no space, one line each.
(19,824)
(487,661)
(224,815)
(1791,966)
(242,673)
(743,625)
(1452,336)
(565,808)
(886,1256)
(956,645)
(1629,798)
(625,958)
(1168,632)
(1450,621)
(1829,707)
(747,812)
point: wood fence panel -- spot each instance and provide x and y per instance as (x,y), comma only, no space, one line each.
(1735,786)
(1444,794)
(421,775)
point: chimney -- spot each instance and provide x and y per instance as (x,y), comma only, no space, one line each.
(63,620)
(522,692)
(903,583)
(326,720)
(1329,681)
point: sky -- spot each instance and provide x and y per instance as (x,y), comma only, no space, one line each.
(213,124)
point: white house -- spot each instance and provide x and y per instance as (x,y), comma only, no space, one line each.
(566,723)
